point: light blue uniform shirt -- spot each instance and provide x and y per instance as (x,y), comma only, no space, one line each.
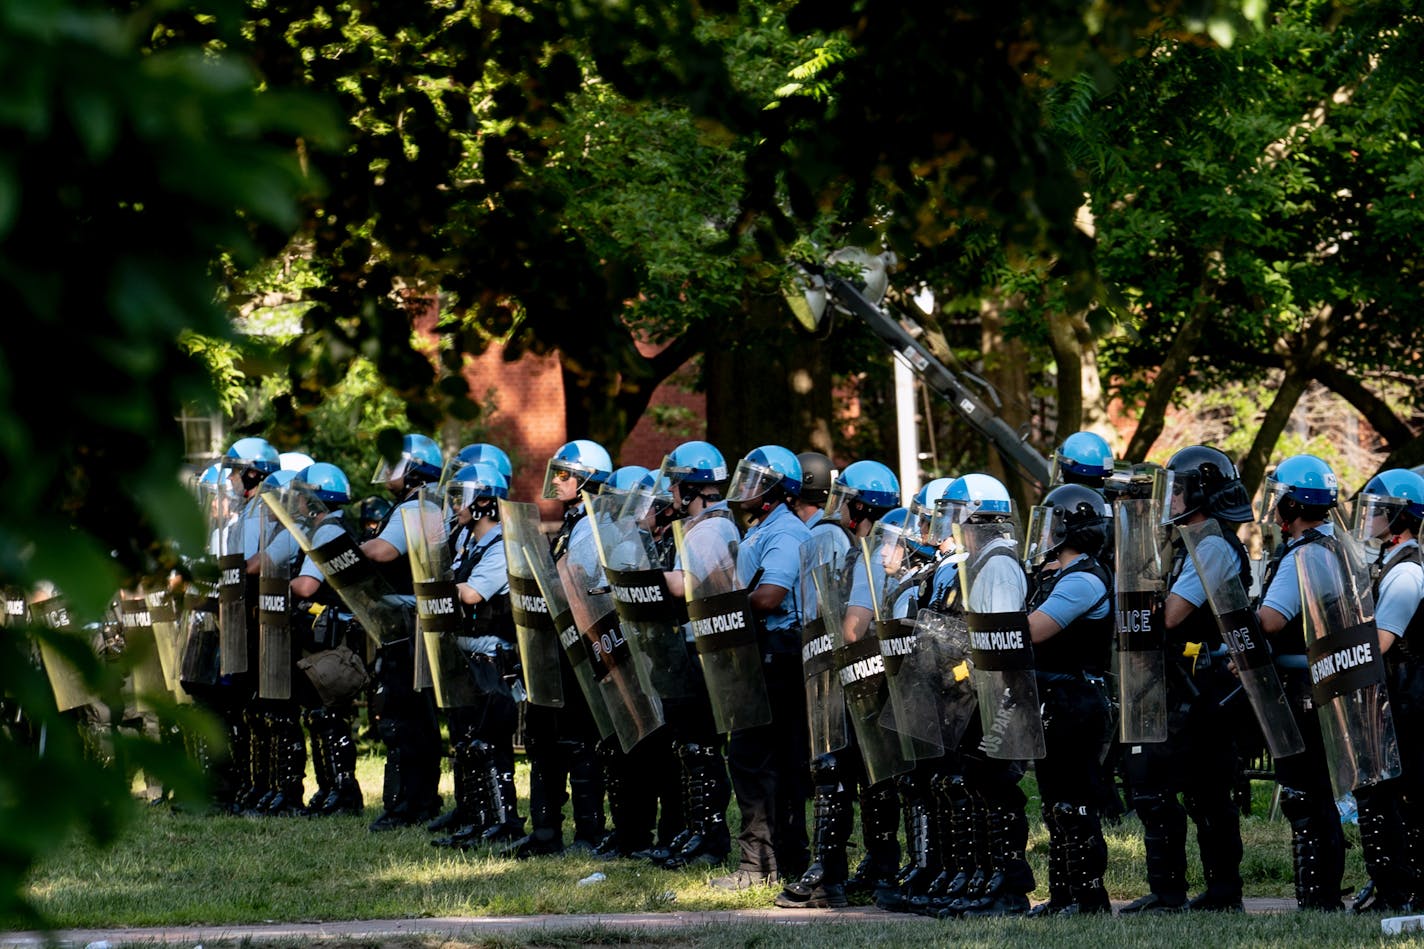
(1400,592)
(773,546)
(1217,555)
(1074,596)
(1284,593)
(490,577)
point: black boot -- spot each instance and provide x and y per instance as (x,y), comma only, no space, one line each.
(822,886)
(1386,853)
(924,862)
(661,854)
(261,756)
(1087,858)
(289,764)
(1219,840)
(237,766)
(953,815)
(1010,880)
(1164,841)
(880,833)
(340,745)
(546,809)
(1317,849)
(619,841)
(1059,896)
(476,800)
(586,793)
(320,759)
(709,792)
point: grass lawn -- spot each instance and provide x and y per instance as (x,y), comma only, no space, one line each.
(173,868)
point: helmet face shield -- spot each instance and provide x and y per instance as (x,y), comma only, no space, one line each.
(559,472)
(388,472)
(752,480)
(1039,538)
(1373,517)
(1270,497)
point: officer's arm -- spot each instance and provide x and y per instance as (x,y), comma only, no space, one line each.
(1176,610)
(856,622)
(1041,626)
(381,551)
(1271,621)
(469,595)
(767,597)
(676,583)
(1386,640)
(304,587)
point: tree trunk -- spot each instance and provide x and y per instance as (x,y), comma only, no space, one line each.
(1302,353)
(1006,369)
(1169,377)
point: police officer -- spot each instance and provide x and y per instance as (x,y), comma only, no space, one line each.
(768,763)
(334,644)
(1071,624)
(1387,516)
(978,801)
(561,742)
(817,473)
(697,475)
(1298,498)
(859,496)
(1200,748)
(406,716)
(247,463)
(482,734)
(1084,458)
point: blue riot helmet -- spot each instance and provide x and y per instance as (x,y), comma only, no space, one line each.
(586,463)
(765,470)
(420,462)
(1074,515)
(694,461)
(479,487)
(1083,458)
(251,458)
(278,479)
(924,502)
(1302,486)
(696,468)
(294,460)
(974,497)
(864,490)
(483,451)
(207,481)
(1205,481)
(628,478)
(327,483)
(1391,503)
(901,525)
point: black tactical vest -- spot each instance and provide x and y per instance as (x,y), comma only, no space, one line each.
(1084,645)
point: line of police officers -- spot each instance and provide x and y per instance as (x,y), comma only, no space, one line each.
(788,634)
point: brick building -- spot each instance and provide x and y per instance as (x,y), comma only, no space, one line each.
(528,420)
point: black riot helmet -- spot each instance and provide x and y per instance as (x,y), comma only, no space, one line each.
(373,511)
(1209,483)
(1074,515)
(816,475)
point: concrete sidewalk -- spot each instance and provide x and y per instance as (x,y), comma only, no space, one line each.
(475,926)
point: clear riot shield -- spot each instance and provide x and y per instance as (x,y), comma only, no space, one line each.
(232,582)
(275,653)
(1141,661)
(1241,633)
(628,695)
(66,681)
(535,553)
(437,603)
(912,679)
(166,636)
(860,670)
(141,649)
(534,625)
(719,610)
(1346,667)
(364,591)
(825,702)
(993,588)
(651,617)
(198,661)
